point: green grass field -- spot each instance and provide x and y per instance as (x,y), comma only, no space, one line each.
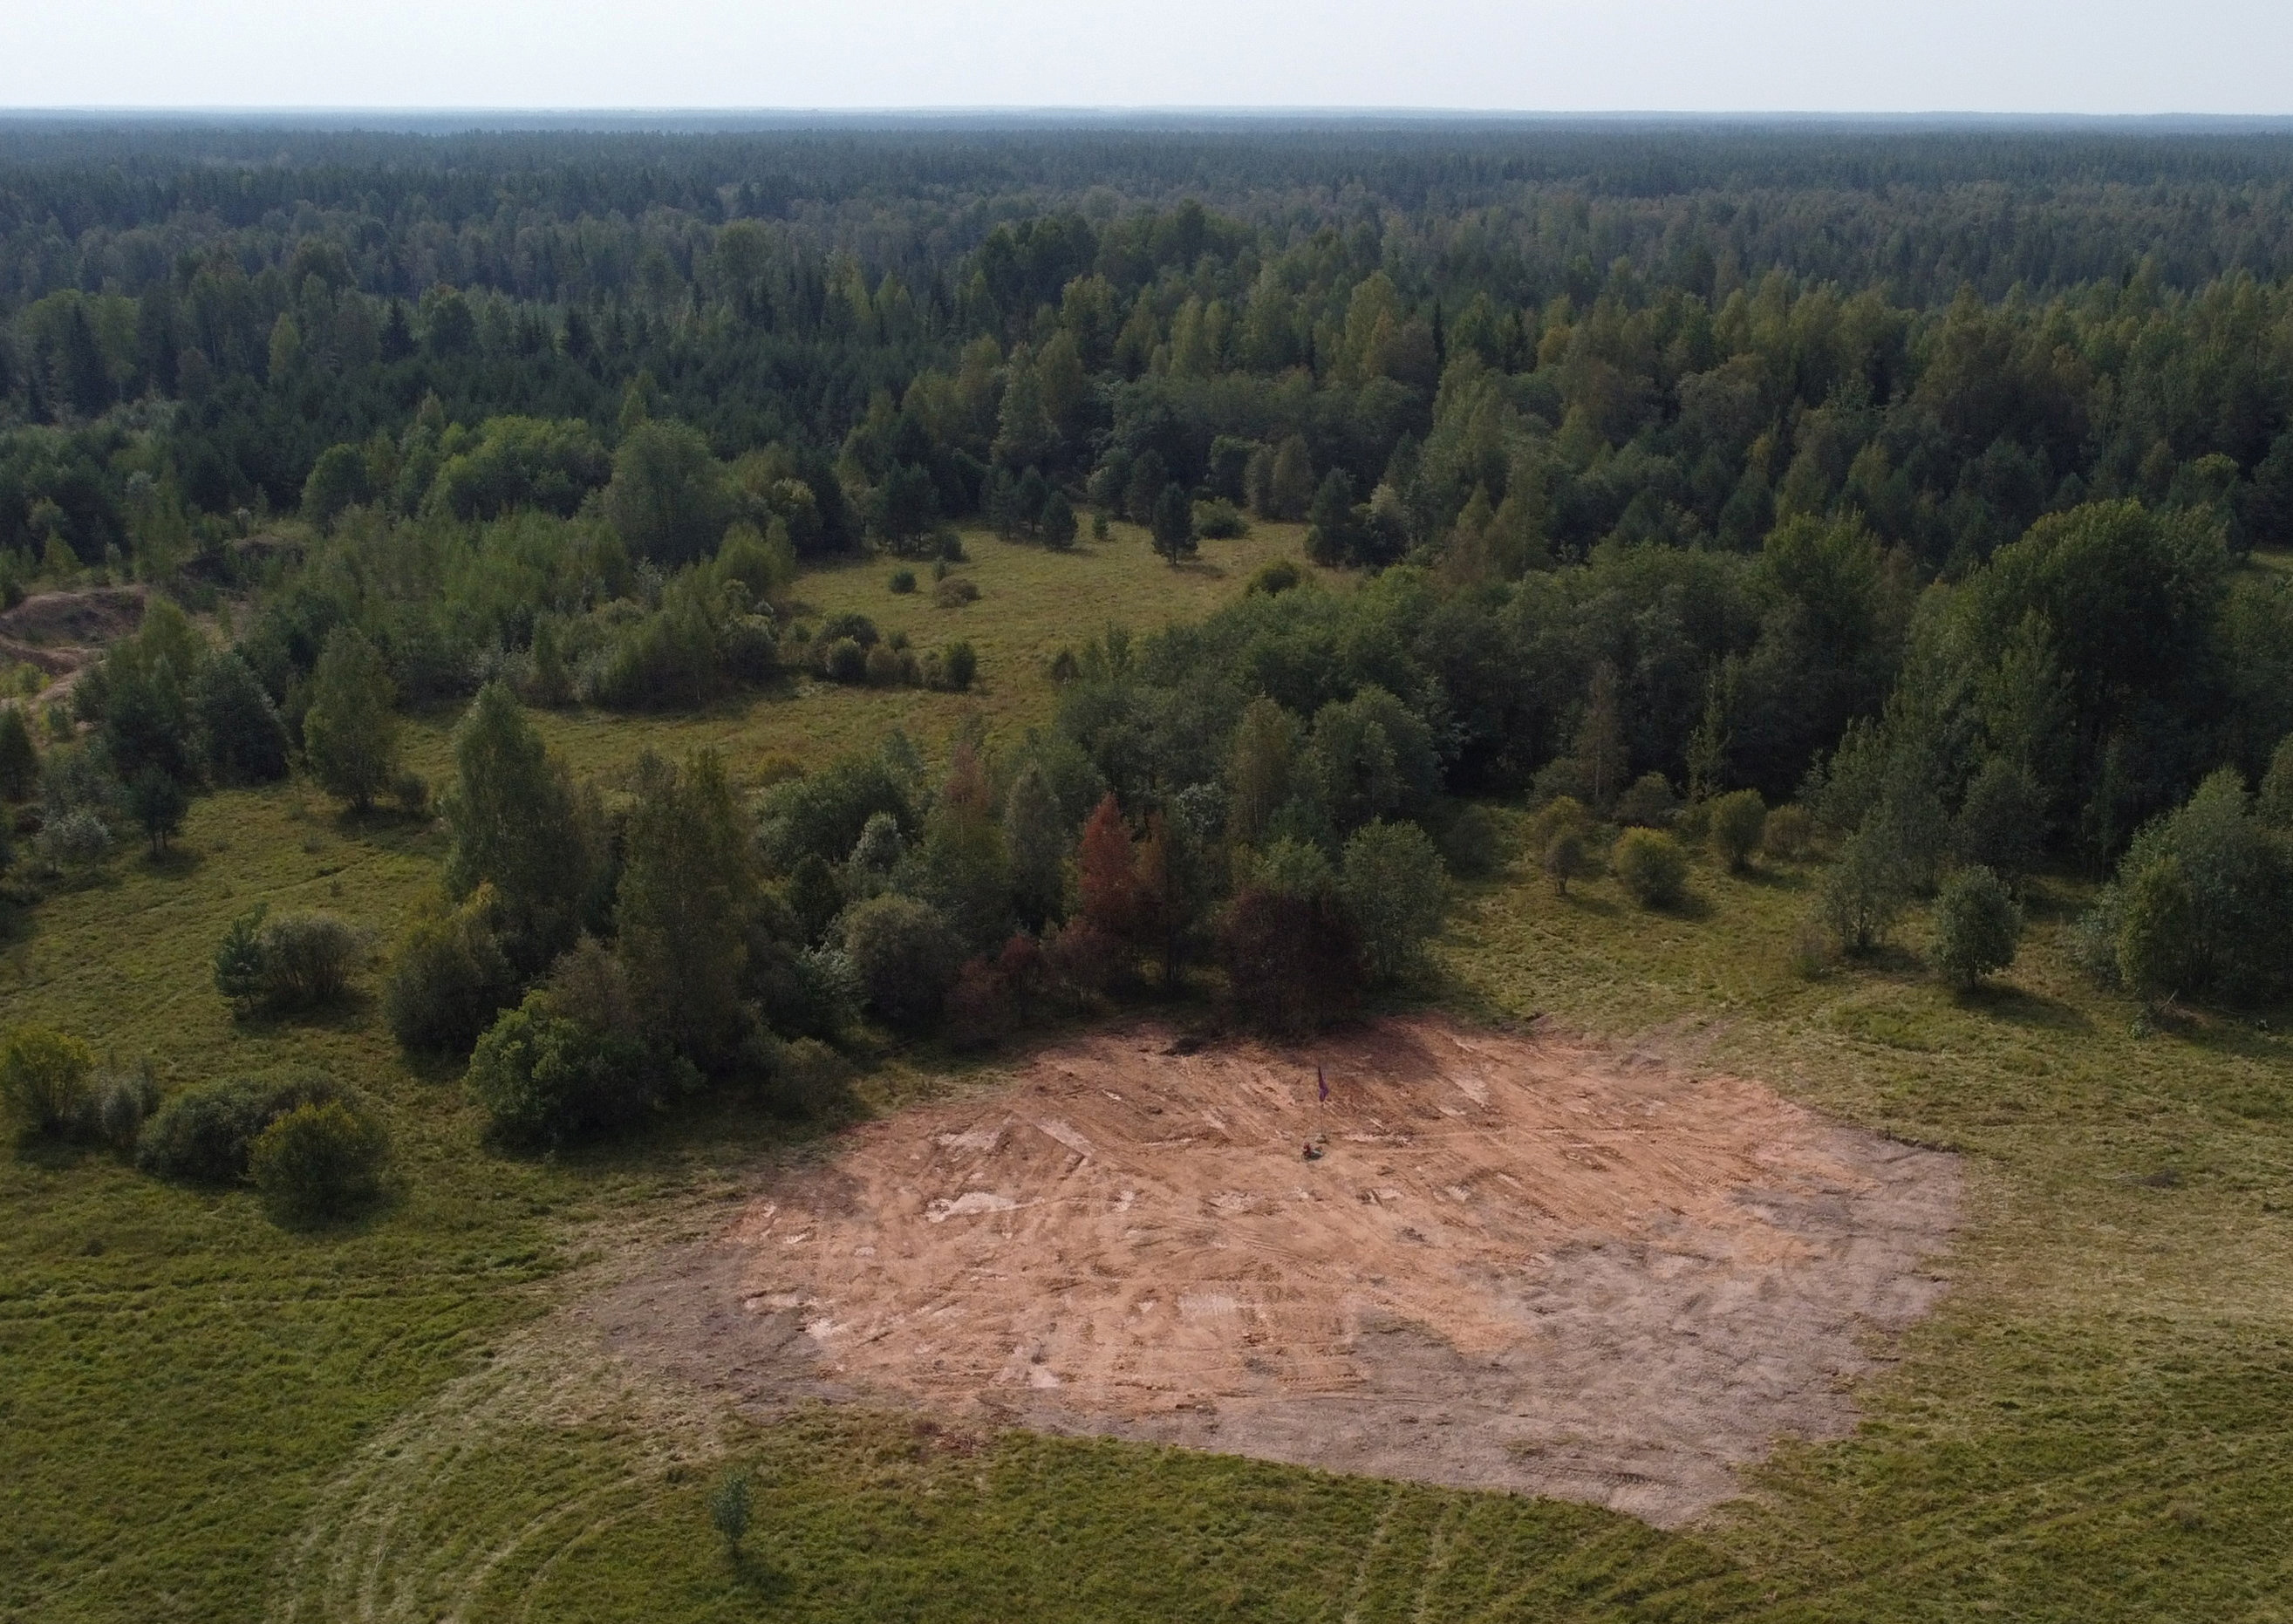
(203,1417)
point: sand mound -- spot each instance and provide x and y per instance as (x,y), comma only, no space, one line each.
(1516,1263)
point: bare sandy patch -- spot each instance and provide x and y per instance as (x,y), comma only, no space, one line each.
(1515,1262)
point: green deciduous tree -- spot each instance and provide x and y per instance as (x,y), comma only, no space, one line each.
(668,499)
(350,734)
(1976,925)
(1393,885)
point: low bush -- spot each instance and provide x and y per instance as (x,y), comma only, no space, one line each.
(1565,859)
(449,979)
(810,1080)
(1471,840)
(1863,892)
(43,1079)
(844,661)
(1738,821)
(1788,833)
(1276,577)
(1084,961)
(1647,803)
(116,1110)
(543,1078)
(319,1162)
(903,580)
(955,592)
(1976,926)
(906,956)
(77,840)
(1652,867)
(1561,812)
(1219,519)
(204,1135)
(296,961)
(959,665)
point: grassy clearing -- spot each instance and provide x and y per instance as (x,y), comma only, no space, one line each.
(1033,603)
(204,1417)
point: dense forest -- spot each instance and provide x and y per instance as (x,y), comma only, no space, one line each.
(1908,472)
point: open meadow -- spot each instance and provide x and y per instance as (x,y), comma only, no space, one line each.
(207,1417)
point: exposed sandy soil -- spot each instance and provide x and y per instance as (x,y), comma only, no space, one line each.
(1519,1263)
(61,632)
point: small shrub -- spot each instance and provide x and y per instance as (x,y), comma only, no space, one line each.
(1276,577)
(1219,519)
(319,1162)
(2156,925)
(1565,858)
(903,580)
(906,956)
(959,665)
(1472,841)
(810,1080)
(121,1101)
(1561,812)
(77,840)
(845,661)
(1652,866)
(883,666)
(1976,926)
(1864,892)
(1084,961)
(2002,823)
(157,804)
(849,623)
(1788,834)
(956,591)
(1294,964)
(43,1079)
(1647,803)
(1738,821)
(447,981)
(411,791)
(205,1133)
(2094,938)
(293,961)
(1393,887)
(728,1511)
(542,1078)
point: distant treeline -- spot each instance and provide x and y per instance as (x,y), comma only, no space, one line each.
(1533,338)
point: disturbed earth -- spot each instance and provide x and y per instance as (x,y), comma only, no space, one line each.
(1511,1262)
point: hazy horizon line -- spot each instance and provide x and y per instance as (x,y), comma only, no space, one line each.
(1142,112)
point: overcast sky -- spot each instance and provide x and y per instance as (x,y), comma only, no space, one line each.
(2070,56)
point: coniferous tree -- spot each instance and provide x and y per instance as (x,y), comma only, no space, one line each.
(241,738)
(19,758)
(516,826)
(1173,525)
(687,893)
(1035,838)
